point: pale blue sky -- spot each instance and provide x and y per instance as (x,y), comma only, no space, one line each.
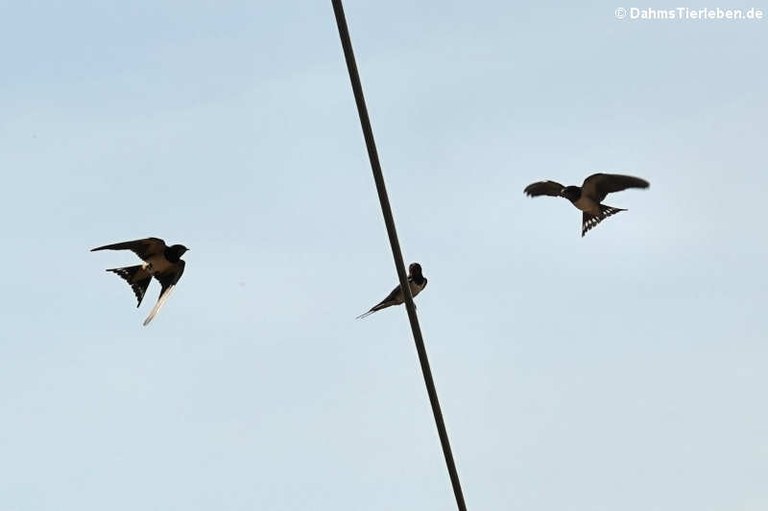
(624,370)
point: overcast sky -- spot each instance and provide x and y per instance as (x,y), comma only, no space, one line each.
(623,370)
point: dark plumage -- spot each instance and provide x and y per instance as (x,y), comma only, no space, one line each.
(589,195)
(416,281)
(162,262)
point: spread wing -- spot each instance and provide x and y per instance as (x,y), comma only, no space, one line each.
(551,188)
(597,186)
(145,248)
(168,282)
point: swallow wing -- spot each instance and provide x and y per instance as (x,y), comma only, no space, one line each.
(551,188)
(144,248)
(166,293)
(393,298)
(168,282)
(597,186)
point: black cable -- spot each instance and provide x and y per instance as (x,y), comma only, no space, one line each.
(389,220)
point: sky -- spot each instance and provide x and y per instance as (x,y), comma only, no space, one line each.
(622,370)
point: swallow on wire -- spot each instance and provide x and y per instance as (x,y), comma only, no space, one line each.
(160,261)
(589,195)
(416,281)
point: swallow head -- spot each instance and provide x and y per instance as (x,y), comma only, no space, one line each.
(572,193)
(414,270)
(176,251)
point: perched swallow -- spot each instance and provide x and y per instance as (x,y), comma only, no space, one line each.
(589,195)
(160,261)
(416,281)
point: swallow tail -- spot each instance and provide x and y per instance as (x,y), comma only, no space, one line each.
(365,314)
(373,309)
(382,305)
(588,221)
(137,277)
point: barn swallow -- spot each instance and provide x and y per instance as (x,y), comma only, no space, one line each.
(160,261)
(416,281)
(589,195)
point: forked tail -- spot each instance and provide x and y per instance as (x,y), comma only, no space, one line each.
(137,277)
(589,221)
(381,305)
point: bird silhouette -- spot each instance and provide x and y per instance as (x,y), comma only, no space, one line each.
(589,196)
(162,262)
(416,281)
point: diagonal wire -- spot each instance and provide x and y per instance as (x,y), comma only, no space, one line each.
(389,220)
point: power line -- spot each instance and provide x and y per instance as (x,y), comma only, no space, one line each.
(389,221)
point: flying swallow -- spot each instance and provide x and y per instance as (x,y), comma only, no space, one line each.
(160,261)
(416,281)
(589,195)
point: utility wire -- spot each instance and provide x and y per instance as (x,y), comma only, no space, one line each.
(389,220)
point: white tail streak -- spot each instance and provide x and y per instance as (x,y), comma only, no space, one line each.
(365,314)
(160,302)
